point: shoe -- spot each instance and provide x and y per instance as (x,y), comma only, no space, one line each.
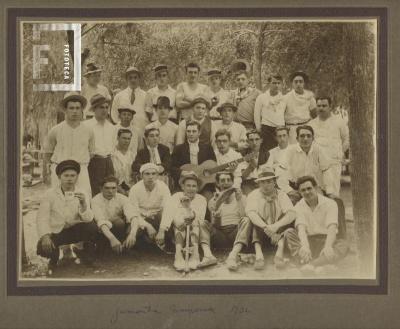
(207,261)
(259,264)
(279,262)
(231,263)
(194,262)
(179,264)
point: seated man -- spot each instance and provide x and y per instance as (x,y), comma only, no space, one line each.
(228,226)
(122,158)
(149,197)
(216,93)
(271,212)
(316,239)
(116,218)
(153,152)
(64,216)
(181,208)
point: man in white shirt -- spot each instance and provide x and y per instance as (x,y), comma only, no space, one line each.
(122,159)
(93,87)
(299,103)
(237,130)
(215,93)
(168,129)
(269,111)
(315,239)
(132,97)
(116,218)
(149,196)
(182,209)
(188,90)
(100,165)
(64,216)
(70,139)
(162,89)
(332,135)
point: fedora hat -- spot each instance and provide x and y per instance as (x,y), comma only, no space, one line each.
(201,99)
(98,100)
(185,175)
(225,105)
(73,96)
(126,109)
(91,68)
(265,175)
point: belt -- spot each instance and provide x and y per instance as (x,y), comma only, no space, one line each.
(97,156)
(298,124)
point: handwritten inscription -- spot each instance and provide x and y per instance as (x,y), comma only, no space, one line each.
(143,310)
(191,311)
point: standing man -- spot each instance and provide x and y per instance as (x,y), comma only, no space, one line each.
(271,212)
(229,226)
(116,218)
(200,108)
(238,131)
(100,165)
(70,139)
(64,216)
(149,197)
(191,151)
(299,102)
(244,97)
(93,87)
(153,152)
(132,97)
(315,241)
(168,129)
(269,111)
(332,135)
(177,213)
(187,91)
(216,93)
(162,89)
(122,159)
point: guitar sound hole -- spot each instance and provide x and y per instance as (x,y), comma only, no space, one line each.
(206,173)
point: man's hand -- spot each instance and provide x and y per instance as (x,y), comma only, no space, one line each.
(328,252)
(129,241)
(116,245)
(273,228)
(160,237)
(47,244)
(332,196)
(238,194)
(150,231)
(232,165)
(305,254)
(82,200)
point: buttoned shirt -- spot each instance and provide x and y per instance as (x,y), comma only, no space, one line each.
(298,106)
(104,136)
(154,155)
(332,135)
(123,99)
(136,142)
(88,92)
(187,93)
(194,152)
(106,212)
(315,163)
(181,133)
(122,163)
(174,210)
(168,133)
(57,212)
(269,110)
(230,156)
(317,221)
(68,143)
(151,100)
(278,162)
(245,100)
(257,204)
(237,130)
(222,95)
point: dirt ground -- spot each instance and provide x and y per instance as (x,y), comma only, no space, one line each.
(150,263)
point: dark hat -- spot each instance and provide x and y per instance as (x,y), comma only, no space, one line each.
(132,69)
(163,101)
(160,67)
(214,71)
(185,175)
(252,131)
(126,109)
(68,164)
(98,100)
(91,68)
(266,175)
(301,74)
(73,96)
(225,105)
(149,129)
(201,99)
(240,65)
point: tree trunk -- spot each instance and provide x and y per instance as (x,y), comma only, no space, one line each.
(258,57)
(360,67)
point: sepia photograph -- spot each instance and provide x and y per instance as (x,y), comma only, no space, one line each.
(198,150)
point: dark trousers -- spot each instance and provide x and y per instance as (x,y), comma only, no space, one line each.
(99,168)
(258,235)
(120,230)
(86,232)
(268,137)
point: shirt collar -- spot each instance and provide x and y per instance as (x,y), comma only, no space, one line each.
(300,150)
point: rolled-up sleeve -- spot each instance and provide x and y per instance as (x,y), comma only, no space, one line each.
(99,213)
(130,211)
(168,213)
(331,213)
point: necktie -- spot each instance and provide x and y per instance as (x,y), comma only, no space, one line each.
(270,209)
(152,156)
(133,96)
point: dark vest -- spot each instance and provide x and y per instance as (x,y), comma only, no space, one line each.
(205,131)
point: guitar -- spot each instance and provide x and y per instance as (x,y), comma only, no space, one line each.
(207,170)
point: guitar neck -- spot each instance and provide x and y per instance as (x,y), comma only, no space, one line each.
(224,166)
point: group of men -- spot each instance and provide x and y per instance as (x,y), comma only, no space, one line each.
(119,171)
